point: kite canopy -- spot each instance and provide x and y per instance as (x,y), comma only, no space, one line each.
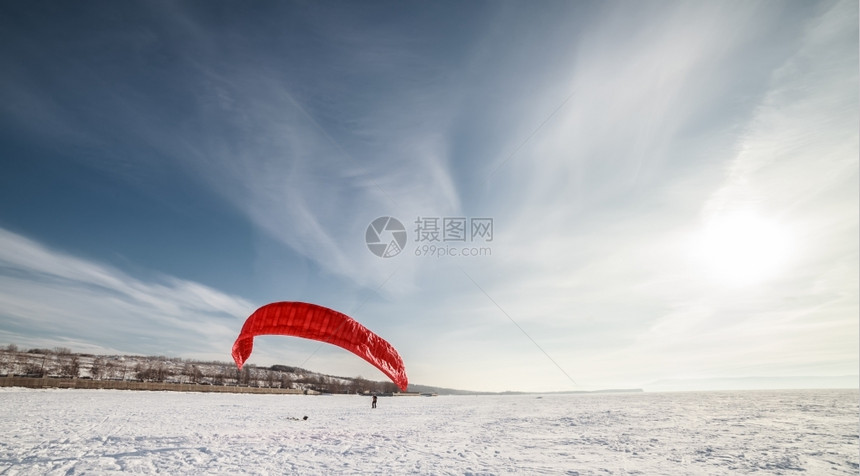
(310,321)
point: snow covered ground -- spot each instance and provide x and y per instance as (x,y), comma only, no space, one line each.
(114,431)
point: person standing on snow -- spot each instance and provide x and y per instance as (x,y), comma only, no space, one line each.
(373,402)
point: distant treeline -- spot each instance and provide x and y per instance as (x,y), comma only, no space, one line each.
(61,362)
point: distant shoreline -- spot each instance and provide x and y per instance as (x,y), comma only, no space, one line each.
(92,384)
(82,383)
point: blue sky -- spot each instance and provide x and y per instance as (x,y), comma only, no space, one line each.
(673,185)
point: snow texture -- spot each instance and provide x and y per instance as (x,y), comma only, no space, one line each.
(121,432)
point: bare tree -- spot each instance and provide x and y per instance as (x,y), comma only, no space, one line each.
(111,369)
(243,376)
(17,361)
(122,368)
(6,362)
(187,374)
(222,376)
(154,372)
(360,385)
(48,366)
(34,370)
(196,374)
(139,371)
(335,385)
(70,366)
(98,369)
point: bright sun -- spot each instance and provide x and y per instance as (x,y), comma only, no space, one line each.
(740,248)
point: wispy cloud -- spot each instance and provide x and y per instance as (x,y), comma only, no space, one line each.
(311,179)
(596,247)
(303,156)
(795,165)
(54,297)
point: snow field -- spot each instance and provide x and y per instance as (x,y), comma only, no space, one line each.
(124,432)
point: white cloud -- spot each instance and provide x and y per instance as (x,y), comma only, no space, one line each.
(592,258)
(53,298)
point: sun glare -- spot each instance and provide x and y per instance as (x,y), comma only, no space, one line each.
(741,248)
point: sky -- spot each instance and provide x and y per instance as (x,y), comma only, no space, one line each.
(592,194)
